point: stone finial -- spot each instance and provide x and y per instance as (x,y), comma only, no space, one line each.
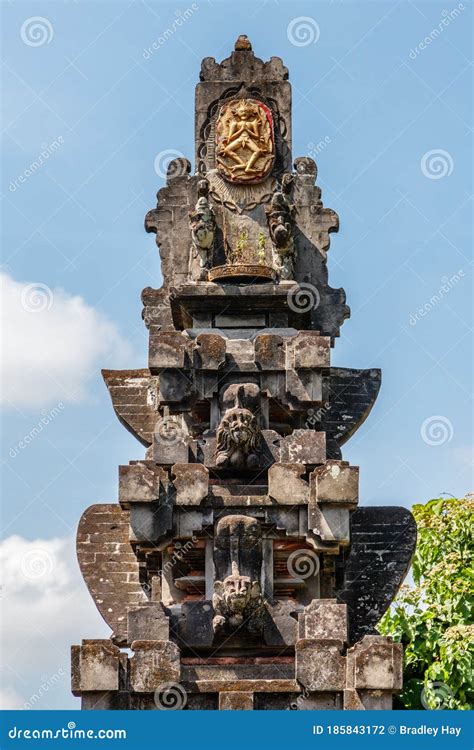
(243,43)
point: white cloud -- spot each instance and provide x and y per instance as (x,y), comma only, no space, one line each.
(53,343)
(10,700)
(46,609)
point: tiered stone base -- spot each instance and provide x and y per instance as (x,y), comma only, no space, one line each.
(323,673)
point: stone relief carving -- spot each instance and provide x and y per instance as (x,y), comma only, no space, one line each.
(238,435)
(238,599)
(280,218)
(245,148)
(202,222)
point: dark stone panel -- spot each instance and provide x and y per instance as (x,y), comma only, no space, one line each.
(351,395)
(374,570)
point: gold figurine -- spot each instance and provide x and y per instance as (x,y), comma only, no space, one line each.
(244,141)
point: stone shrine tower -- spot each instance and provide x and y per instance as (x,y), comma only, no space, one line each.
(236,570)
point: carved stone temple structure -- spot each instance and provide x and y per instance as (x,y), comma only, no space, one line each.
(236,570)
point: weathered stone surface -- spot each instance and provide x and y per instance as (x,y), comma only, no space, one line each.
(209,351)
(304,386)
(235,701)
(250,686)
(317,702)
(324,619)
(150,522)
(134,395)
(270,351)
(383,541)
(375,663)
(329,523)
(109,565)
(351,395)
(370,700)
(320,665)
(171,441)
(98,666)
(142,483)
(168,349)
(148,623)
(191,482)
(286,485)
(280,627)
(335,482)
(106,701)
(195,624)
(153,664)
(310,350)
(303,447)
(233,668)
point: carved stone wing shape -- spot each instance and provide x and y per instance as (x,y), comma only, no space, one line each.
(351,395)
(109,566)
(383,541)
(134,395)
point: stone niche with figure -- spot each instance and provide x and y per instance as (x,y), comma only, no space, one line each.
(236,570)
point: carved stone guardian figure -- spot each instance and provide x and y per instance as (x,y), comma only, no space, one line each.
(237,598)
(280,219)
(202,222)
(238,434)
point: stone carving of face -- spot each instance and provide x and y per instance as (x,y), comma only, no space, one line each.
(237,439)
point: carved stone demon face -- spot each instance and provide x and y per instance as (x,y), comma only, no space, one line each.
(237,439)
(237,596)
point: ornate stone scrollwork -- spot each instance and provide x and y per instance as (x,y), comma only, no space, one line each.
(202,222)
(280,220)
(238,434)
(237,598)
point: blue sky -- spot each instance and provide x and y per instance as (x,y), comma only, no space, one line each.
(394,120)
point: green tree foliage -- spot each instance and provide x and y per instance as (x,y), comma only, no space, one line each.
(434,618)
